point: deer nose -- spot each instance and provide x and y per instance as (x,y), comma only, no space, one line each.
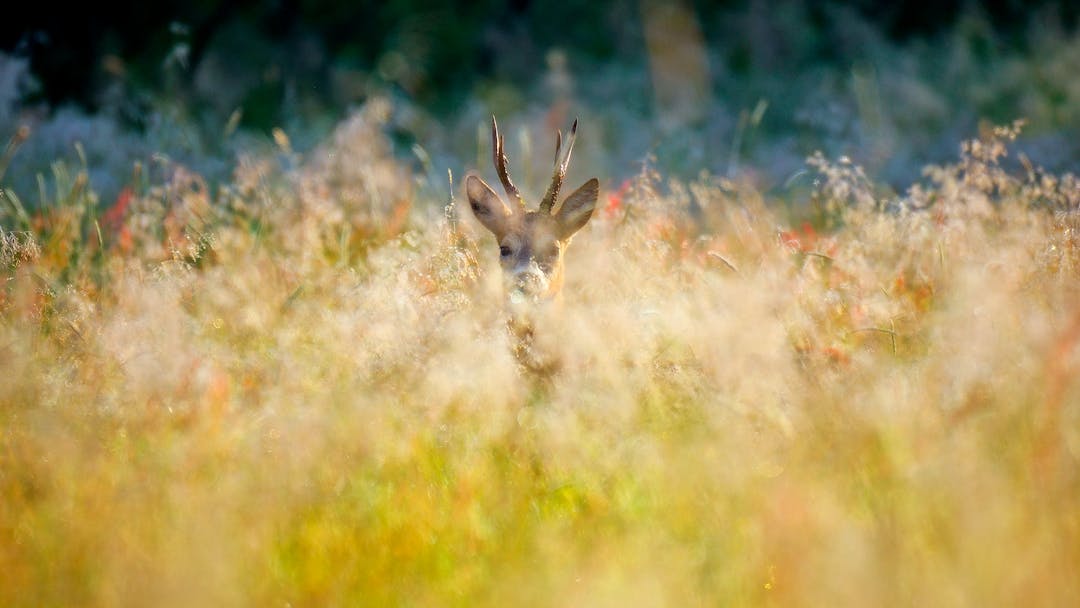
(528,282)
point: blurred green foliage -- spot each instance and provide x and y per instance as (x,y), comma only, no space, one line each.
(729,87)
(432,50)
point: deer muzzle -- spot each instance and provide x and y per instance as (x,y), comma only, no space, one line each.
(528,284)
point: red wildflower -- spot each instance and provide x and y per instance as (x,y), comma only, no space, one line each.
(805,240)
(124,240)
(113,217)
(615,199)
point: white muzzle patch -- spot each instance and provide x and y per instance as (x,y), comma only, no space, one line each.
(527,283)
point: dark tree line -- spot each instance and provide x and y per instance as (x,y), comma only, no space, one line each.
(449,44)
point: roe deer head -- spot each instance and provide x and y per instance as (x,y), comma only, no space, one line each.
(531,243)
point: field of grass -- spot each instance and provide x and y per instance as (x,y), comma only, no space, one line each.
(296,389)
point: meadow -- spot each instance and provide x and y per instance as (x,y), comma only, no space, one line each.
(295,387)
(819,343)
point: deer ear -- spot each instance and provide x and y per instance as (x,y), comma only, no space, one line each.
(487,206)
(577,209)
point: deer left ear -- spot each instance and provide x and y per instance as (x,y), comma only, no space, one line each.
(577,209)
(487,206)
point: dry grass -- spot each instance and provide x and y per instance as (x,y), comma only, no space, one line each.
(297,390)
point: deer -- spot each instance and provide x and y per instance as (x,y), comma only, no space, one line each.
(532,244)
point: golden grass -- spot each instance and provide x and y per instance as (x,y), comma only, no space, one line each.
(298,391)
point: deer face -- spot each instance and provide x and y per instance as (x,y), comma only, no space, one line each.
(531,243)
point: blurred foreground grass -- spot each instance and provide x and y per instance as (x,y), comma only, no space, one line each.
(297,390)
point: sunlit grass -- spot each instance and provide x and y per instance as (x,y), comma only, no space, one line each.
(297,389)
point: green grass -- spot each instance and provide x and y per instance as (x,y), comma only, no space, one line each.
(297,389)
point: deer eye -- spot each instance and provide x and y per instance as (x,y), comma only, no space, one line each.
(504,251)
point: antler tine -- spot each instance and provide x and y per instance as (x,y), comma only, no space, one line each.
(557,178)
(500,167)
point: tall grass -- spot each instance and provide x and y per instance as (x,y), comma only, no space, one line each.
(297,389)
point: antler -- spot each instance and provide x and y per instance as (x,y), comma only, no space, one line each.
(500,167)
(560,169)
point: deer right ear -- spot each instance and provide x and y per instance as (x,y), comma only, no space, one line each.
(487,206)
(577,209)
